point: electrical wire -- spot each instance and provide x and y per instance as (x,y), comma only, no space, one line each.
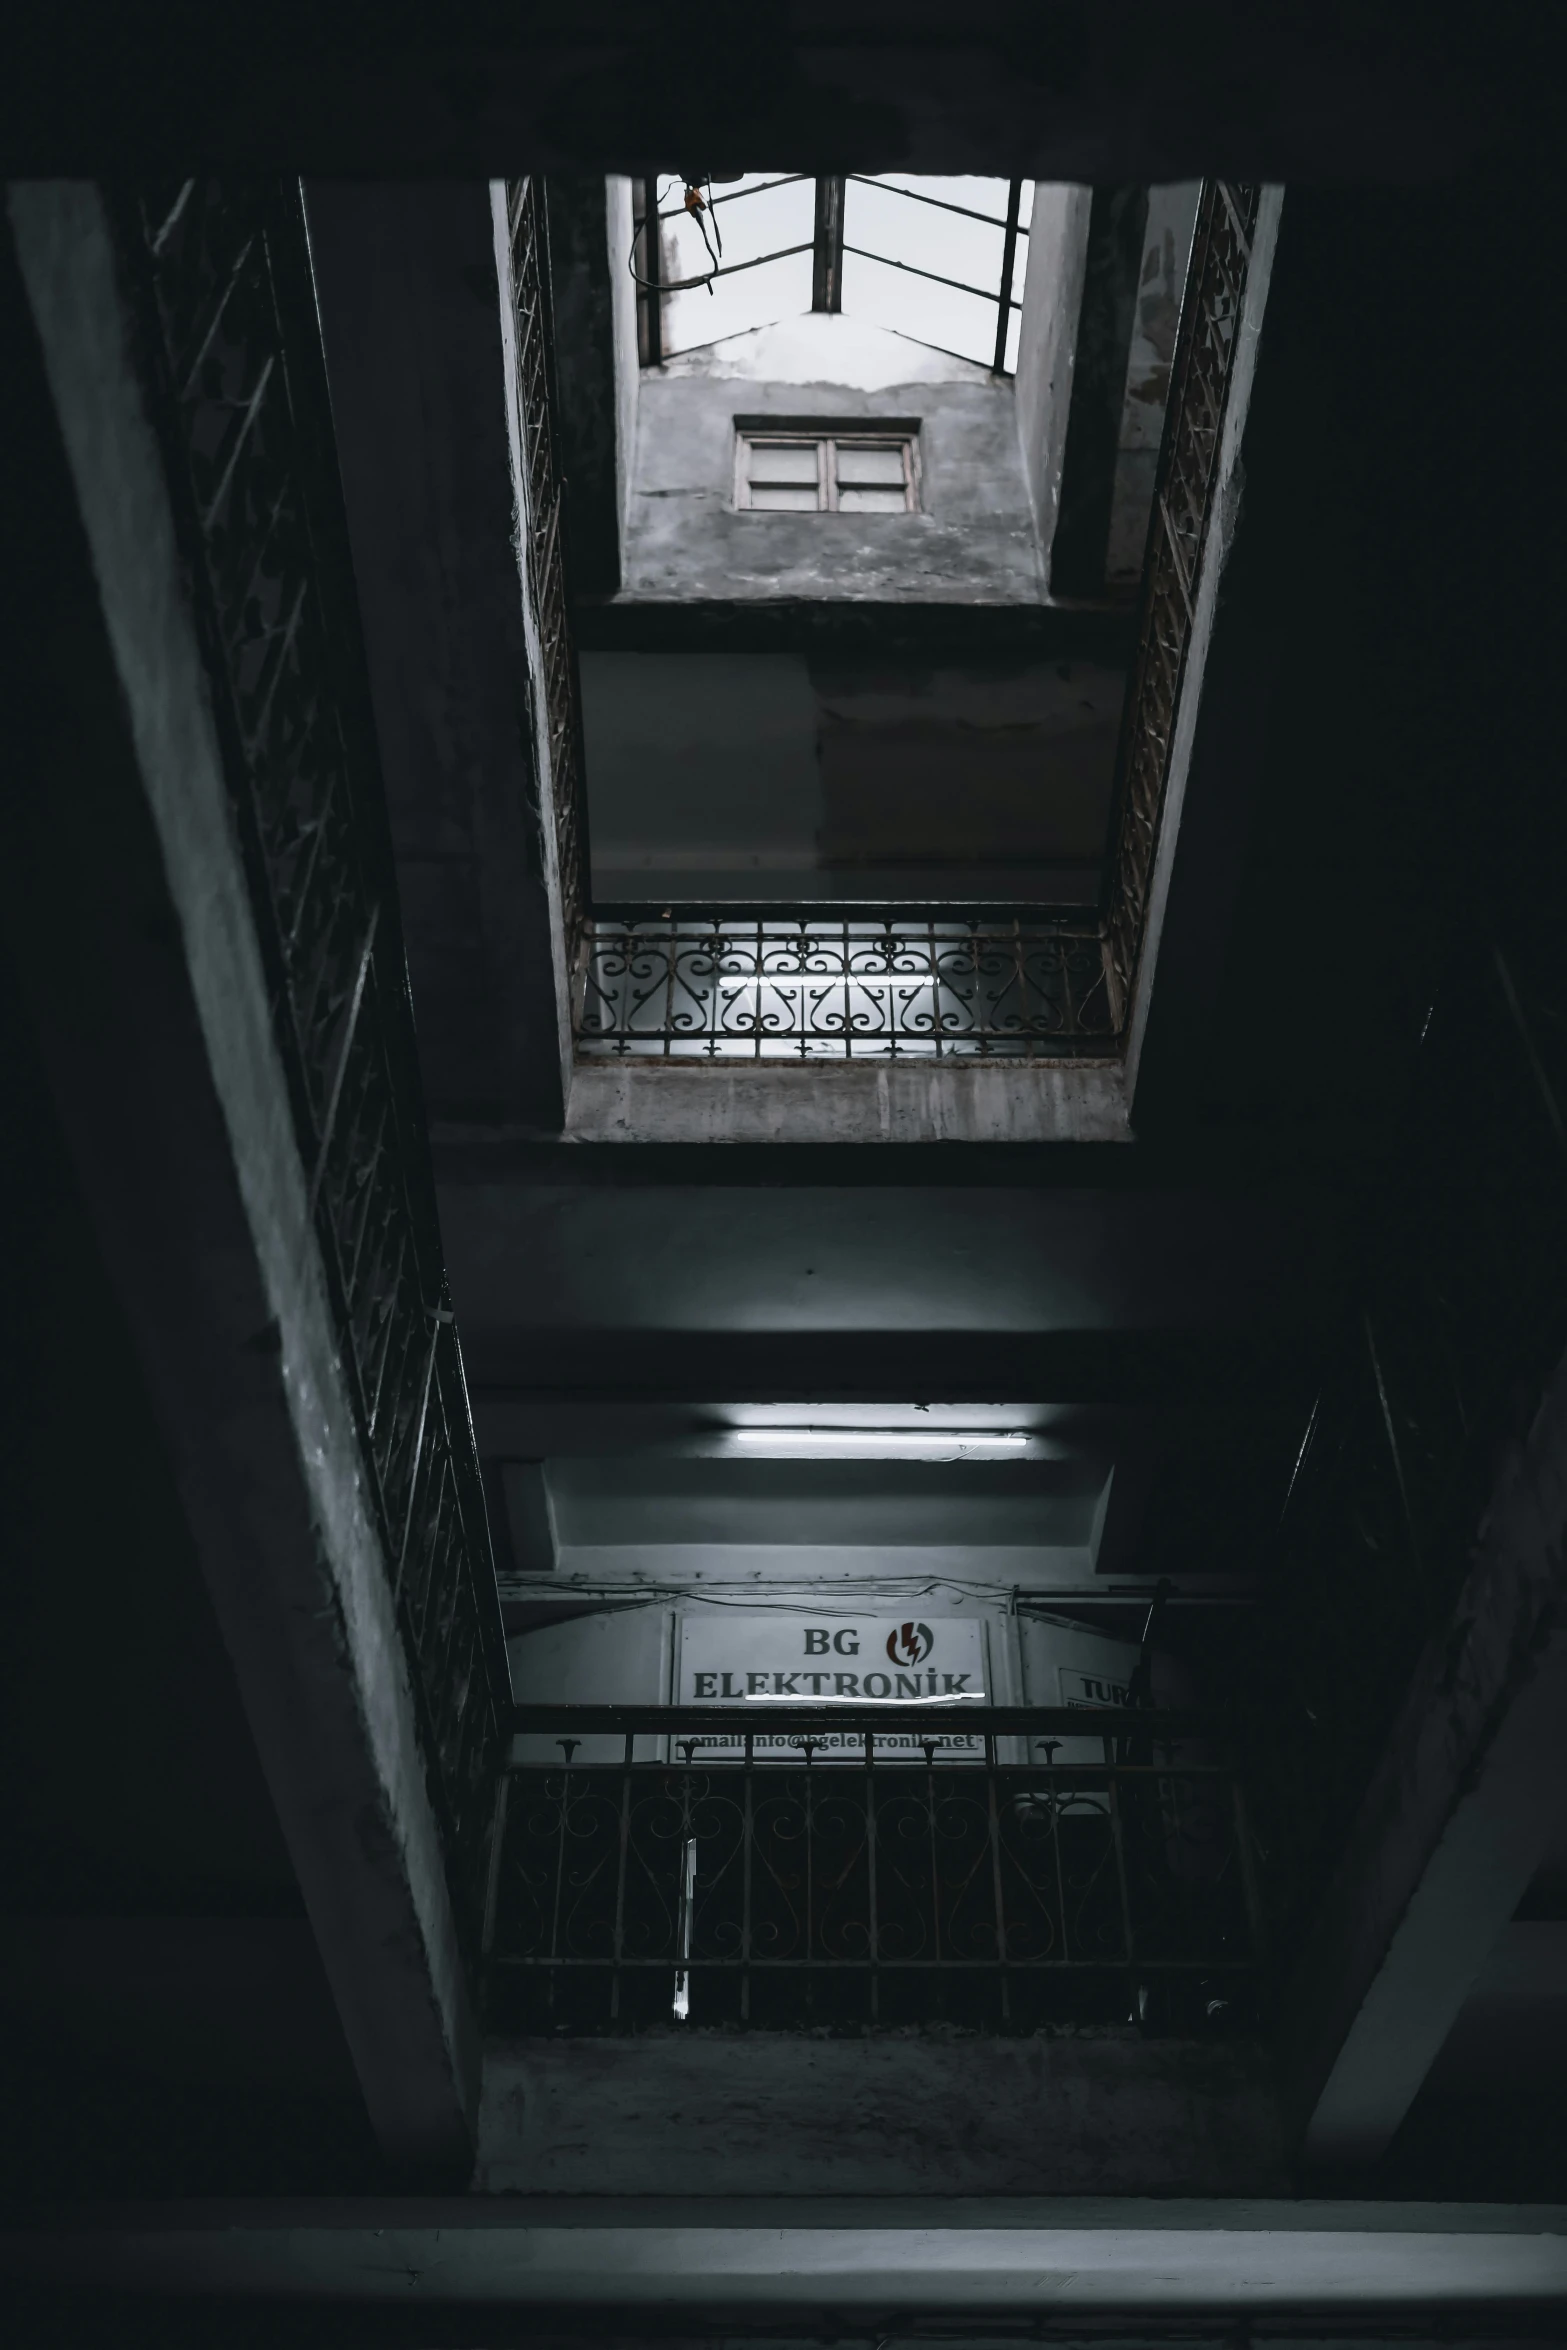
(807,1600)
(704,210)
(696,207)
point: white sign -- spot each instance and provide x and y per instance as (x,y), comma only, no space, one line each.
(763,1660)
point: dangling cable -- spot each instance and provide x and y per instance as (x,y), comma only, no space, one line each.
(700,209)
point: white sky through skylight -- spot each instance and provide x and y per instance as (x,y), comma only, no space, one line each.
(769,219)
(885,225)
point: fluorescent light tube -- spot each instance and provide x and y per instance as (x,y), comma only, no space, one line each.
(821,1444)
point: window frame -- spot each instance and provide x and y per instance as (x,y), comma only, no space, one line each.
(825,434)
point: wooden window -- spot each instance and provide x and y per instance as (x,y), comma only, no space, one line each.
(800,470)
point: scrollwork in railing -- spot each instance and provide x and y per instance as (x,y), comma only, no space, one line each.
(909,986)
(221,276)
(1178,533)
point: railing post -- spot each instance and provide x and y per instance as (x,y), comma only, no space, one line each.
(497,1851)
(1128,1944)
(810,1879)
(872,1923)
(1246,1858)
(929,1745)
(621,1861)
(995,1875)
(748,1834)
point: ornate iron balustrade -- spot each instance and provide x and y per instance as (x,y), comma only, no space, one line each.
(528,245)
(870,1876)
(1178,531)
(221,275)
(919,988)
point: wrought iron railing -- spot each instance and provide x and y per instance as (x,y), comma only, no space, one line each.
(1178,532)
(1462,1323)
(701,984)
(528,249)
(849,1867)
(910,989)
(221,277)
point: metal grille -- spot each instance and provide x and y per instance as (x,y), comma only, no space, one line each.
(235,355)
(871,1890)
(1188,461)
(530,298)
(910,989)
(1429,1395)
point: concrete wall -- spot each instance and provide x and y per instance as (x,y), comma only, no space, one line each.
(1047,340)
(918,2113)
(623,309)
(973,541)
(773,777)
(703,778)
(1172,212)
(592,389)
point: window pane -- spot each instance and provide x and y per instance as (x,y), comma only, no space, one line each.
(759,223)
(961,323)
(884,219)
(783,498)
(975,195)
(783,461)
(857,464)
(872,501)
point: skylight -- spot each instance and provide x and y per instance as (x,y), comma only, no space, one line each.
(762,225)
(954,229)
(939,261)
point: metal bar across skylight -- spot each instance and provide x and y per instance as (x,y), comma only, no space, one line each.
(790,179)
(980,293)
(941,203)
(681,285)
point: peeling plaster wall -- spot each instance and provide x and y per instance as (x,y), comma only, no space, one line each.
(623,313)
(1172,214)
(973,541)
(1047,343)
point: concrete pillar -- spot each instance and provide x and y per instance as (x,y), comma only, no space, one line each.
(128,909)
(1470,1790)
